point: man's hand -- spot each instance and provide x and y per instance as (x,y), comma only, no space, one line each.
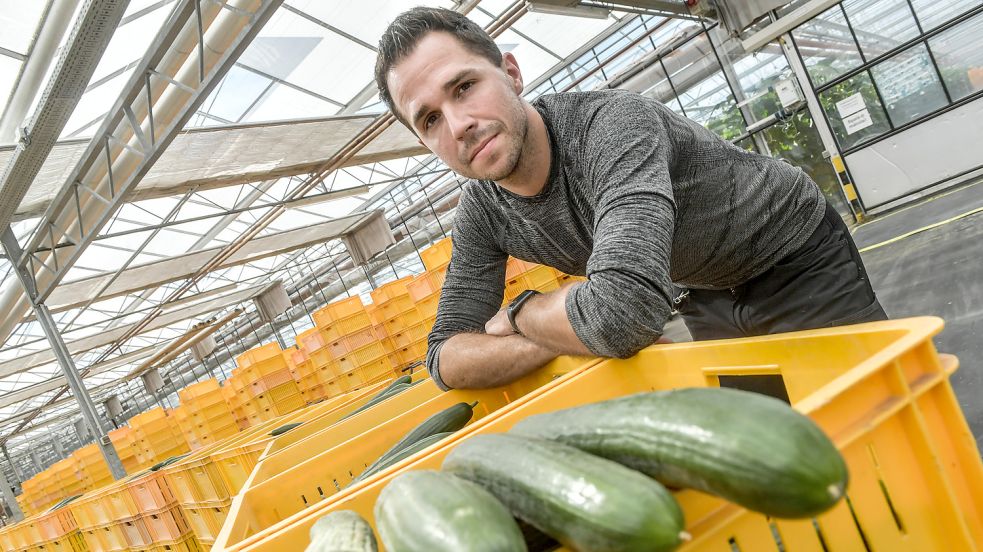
(499,325)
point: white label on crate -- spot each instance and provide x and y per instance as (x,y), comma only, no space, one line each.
(850,105)
(858,121)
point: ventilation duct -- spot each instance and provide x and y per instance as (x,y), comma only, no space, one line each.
(369,238)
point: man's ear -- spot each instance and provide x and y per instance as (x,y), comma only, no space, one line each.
(511,68)
(418,141)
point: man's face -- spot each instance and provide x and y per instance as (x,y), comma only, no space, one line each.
(463,107)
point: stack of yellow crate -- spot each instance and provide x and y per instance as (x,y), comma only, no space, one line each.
(137,513)
(314,382)
(399,319)
(158,436)
(126,448)
(207,415)
(353,354)
(90,467)
(264,384)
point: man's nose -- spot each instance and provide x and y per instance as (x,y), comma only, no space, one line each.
(461,123)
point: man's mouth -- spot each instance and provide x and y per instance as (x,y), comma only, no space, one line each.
(481,147)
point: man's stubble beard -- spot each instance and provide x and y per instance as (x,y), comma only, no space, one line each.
(513,151)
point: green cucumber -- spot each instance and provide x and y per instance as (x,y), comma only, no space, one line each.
(451,418)
(430,511)
(168,462)
(63,502)
(389,459)
(342,531)
(383,395)
(581,500)
(284,428)
(748,448)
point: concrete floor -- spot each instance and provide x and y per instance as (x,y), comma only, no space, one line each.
(936,271)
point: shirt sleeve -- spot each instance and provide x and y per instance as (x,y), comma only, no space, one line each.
(625,302)
(474,285)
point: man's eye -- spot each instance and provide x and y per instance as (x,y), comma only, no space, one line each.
(464,87)
(430,120)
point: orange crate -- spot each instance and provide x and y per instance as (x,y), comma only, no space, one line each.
(309,340)
(414,333)
(390,290)
(106,538)
(427,306)
(413,352)
(396,306)
(346,326)
(56,524)
(70,542)
(283,392)
(258,354)
(337,311)
(199,390)
(437,255)
(165,525)
(362,356)
(351,342)
(515,267)
(379,330)
(426,284)
(150,492)
(270,381)
(879,390)
(188,543)
(293,478)
(206,519)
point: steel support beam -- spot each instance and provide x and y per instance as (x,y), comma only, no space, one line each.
(50,328)
(17,471)
(167,87)
(7,493)
(56,444)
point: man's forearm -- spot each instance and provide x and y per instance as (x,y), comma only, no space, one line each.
(480,361)
(543,319)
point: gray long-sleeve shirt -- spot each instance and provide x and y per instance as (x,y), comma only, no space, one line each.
(637,198)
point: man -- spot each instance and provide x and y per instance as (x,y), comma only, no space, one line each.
(613,186)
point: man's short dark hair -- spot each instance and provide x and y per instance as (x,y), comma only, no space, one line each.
(406,31)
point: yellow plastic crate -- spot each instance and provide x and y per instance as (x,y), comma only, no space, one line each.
(71,542)
(352,342)
(427,306)
(412,334)
(107,538)
(396,306)
(314,467)
(236,461)
(390,290)
(198,390)
(426,284)
(206,520)
(338,311)
(348,325)
(437,255)
(258,354)
(879,390)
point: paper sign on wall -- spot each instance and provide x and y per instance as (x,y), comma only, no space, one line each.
(788,96)
(858,121)
(853,112)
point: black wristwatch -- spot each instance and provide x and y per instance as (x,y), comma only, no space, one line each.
(513,309)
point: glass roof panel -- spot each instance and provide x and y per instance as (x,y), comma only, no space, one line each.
(317,59)
(18,23)
(130,41)
(9,68)
(351,16)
